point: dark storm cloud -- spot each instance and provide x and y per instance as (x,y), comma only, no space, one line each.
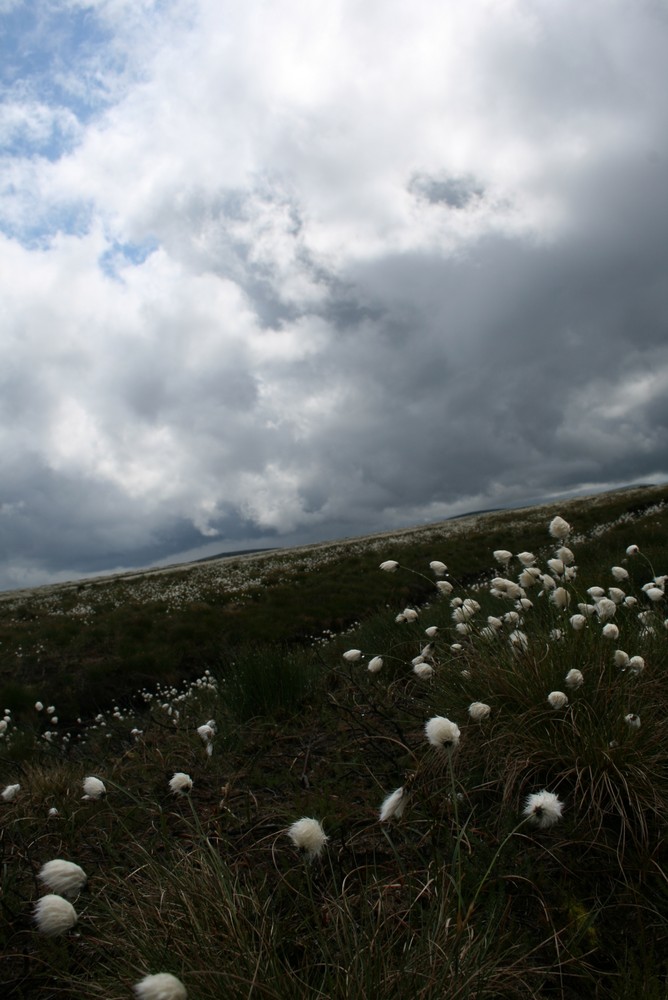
(301,290)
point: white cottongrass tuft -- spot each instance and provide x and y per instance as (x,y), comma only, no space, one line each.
(655,594)
(431,631)
(543,809)
(578,622)
(610,631)
(63,877)
(441,732)
(632,720)
(560,597)
(502,556)
(574,679)
(308,835)
(519,640)
(389,566)
(423,670)
(10,793)
(559,528)
(438,568)
(557,699)
(352,655)
(375,664)
(93,788)
(161,986)
(478,711)
(605,608)
(180,783)
(393,806)
(39,707)
(54,915)
(619,573)
(621,658)
(444,586)
(526,558)
(636,665)
(632,550)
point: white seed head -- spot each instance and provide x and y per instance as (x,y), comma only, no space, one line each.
(162,986)
(478,711)
(574,679)
(578,622)
(559,528)
(375,664)
(632,720)
(63,877)
(610,631)
(636,665)
(543,809)
(352,655)
(605,608)
(632,550)
(393,806)
(10,793)
(441,732)
(93,788)
(557,699)
(54,915)
(502,556)
(560,597)
(180,783)
(438,568)
(308,835)
(619,573)
(389,566)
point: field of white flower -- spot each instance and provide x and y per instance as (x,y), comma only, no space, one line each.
(462,791)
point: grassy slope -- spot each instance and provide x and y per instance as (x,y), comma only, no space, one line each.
(447,898)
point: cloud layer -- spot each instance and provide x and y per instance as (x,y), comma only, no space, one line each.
(272,272)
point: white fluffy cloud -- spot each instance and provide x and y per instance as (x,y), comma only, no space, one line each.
(268,270)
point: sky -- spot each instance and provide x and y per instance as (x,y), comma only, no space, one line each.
(275,272)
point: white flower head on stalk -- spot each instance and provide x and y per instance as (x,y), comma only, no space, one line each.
(543,809)
(519,640)
(393,806)
(180,783)
(161,986)
(63,877)
(352,655)
(616,595)
(578,622)
(636,665)
(39,707)
(574,679)
(10,793)
(308,835)
(632,550)
(560,597)
(632,720)
(610,631)
(655,594)
(410,614)
(444,586)
(605,609)
(93,788)
(619,573)
(389,566)
(478,711)
(502,556)
(375,664)
(431,631)
(567,557)
(526,558)
(556,567)
(205,733)
(441,732)
(423,670)
(559,528)
(54,915)
(438,568)
(557,699)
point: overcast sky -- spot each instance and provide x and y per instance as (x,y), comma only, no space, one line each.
(281,271)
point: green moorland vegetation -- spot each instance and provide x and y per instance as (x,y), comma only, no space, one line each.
(483,746)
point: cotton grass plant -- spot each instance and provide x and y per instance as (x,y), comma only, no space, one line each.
(478,841)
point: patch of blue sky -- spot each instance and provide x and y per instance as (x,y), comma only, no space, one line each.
(70,219)
(119,255)
(58,55)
